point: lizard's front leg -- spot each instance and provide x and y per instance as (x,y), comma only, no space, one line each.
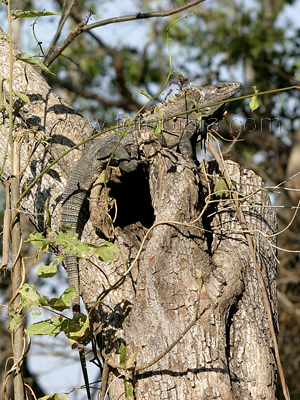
(188,141)
(127,162)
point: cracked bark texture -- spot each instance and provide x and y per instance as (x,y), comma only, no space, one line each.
(228,353)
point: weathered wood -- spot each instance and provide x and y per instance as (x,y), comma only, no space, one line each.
(56,124)
(228,353)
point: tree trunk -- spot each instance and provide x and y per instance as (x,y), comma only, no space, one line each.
(185,268)
(228,353)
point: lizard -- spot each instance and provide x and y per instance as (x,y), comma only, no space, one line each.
(181,131)
(175,131)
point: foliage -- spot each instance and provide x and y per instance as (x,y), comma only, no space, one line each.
(56,396)
(253,102)
(71,245)
(31,60)
(76,329)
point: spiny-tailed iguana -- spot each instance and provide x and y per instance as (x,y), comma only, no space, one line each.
(174,130)
(181,131)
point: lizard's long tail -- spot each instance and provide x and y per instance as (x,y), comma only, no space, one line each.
(69,216)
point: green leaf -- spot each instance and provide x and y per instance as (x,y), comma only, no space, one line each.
(66,228)
(29,296)
(117,132)
(37,240)
(58,259)
(128,389)
(123,354)
(253,104)
(66,237)
(158,111)
(35,314)
(50,327)
(157,128)
(23,97)
(221,188)
(198,273)
(106,252)
(192,101)
(196,285)
(32,13)
(77,329)
(47,271)
(3,104)
(14,318)
(63,302)
(44,301)
(82,250)
(56,396)
(177,74)
(298,76)
(32,60)
(58,304)
(145,94)
(68,296)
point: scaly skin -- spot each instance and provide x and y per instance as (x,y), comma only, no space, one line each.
(180,131)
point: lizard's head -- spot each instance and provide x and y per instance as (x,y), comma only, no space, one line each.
(196,96)
(173,111)
(207,95)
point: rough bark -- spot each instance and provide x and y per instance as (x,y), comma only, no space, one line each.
(45,128)
(227,353)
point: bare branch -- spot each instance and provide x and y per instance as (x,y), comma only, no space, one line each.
(64,16)
(79,28)
(143,15)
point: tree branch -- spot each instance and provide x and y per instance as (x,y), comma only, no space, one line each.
(64,16)
(79,28)
(142,15)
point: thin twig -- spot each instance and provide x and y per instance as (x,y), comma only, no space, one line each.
(64,16)
(6,222)
(104,380)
